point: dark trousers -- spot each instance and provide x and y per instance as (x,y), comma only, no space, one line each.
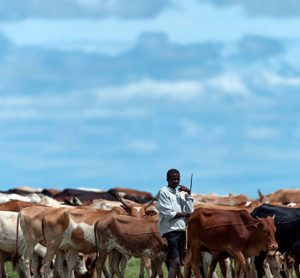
(176,246)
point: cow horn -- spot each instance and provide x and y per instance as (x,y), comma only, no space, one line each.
(122,200)
(148,204)
(261,196)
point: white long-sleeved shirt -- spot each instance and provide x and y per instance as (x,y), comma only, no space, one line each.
(169,202)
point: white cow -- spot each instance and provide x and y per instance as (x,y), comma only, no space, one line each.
(8,224)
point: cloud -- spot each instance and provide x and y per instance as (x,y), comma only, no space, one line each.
(288,8)
(190,128)
(229,83)
(154,57)
(141,145)
(152,89)
(52,9)
(262,133)
(274,79)
(258,48)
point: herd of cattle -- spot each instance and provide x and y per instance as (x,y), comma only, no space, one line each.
(82,233)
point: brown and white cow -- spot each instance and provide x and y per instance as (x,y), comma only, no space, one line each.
(232,232)
(30,219)
(131,236)
(118,261)
(63,229)
(71,230)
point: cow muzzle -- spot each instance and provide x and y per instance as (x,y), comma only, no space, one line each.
(272,249)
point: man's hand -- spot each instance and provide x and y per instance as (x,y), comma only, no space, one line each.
(182,214)
(187,215)
(184,188)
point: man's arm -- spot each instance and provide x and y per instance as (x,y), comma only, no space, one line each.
(182,214)
(188,206)
(165,206)
(185,189)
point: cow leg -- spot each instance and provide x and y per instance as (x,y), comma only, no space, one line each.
(259,264)
(252,266)
(101,261)
(28,254)
(296,253)
(296,268)
(117,263)
(123,264)
(51,250)
(59,266)
(156,268)
(36,265)
(225,266)
(145,262)
(242,263)
(142,266)
(187,264)
(212,266)
(268,262)
(195,259)
(2,267)
(112,258)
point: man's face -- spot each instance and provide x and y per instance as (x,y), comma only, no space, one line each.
(174,180)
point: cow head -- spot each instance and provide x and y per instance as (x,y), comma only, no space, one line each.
(266,234)
(84,267)
(135,209)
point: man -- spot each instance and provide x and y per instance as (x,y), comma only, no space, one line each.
(173,212)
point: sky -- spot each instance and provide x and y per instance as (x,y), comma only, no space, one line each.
(113,93)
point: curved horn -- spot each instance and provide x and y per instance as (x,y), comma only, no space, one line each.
(148,204)
(122,200)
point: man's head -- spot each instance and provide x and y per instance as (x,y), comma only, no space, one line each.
(173,178)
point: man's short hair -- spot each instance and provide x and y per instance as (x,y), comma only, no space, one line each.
(171,172)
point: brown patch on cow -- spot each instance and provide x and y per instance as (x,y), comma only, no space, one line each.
(77,235)
(80,242)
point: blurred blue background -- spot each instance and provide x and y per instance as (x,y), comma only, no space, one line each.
(100,94)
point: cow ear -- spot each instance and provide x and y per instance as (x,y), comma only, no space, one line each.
(253,227)
(273,217)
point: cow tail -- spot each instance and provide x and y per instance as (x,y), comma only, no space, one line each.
(15,257)
(96,244)
(43,230)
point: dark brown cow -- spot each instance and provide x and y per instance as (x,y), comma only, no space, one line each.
(131,194)
(131,236)
(233,232)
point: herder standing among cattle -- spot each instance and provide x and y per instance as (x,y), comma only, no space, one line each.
(173,211)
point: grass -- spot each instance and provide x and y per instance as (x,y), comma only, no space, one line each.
(10,273)
(132,269)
